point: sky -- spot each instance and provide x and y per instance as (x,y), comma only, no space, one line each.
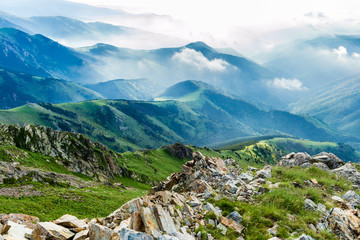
(225,13)
(246,26)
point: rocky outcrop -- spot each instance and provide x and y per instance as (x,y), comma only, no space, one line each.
(343,220)
(74,151)
(12,172)
(325,161)
(178,150)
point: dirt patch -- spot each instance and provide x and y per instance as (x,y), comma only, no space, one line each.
(23,191)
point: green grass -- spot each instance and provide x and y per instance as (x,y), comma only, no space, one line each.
(285,205)
(89,202)
(152,165)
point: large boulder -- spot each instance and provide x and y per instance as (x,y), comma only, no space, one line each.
(331,160)
(349,172)
(70,221)
(323,160)
(52,231)
(98,232)
(179,150)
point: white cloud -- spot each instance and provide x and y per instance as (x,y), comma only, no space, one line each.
(288,84)
(341,51)
(198,60)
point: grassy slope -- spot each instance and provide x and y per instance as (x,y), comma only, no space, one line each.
(94,201)
(201,118)
(18,89)
(285,205)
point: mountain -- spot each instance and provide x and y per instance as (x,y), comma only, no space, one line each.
(130,89)
(336,103)
(39,55)
(166,66)
(75,33)
(17,89)
(199,117)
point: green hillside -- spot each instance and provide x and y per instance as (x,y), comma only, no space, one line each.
(17,89)
(271,148)
(201,117)
(336,103)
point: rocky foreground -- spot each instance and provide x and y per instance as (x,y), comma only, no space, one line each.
(179,207)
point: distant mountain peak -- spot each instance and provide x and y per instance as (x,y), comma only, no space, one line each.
(184,88)
(199,46)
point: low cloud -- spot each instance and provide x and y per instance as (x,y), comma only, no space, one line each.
(198,60)
(287,84)
(341,51)
(315,14)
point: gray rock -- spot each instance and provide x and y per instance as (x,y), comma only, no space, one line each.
(222,228)
(349,172)
(304,237)
(264,173)
(235,216)
(331,160)
(310,205)
(128,234)
(352,197)
(322,166)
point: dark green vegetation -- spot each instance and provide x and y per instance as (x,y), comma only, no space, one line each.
(199,116)
(17,89)
(285,205)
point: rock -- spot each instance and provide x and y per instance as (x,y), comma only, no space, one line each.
(321,165)
(310,205)
(331,160)
(52,231)
(16,231)
(97,232)
(294,159)
(344,223)
(274,186)
(264,173)
(128,234)
(304,237)
(150,222)
(222,228)
(321,208)
(352,197)
(273,230)
(178,150)
(209,207)
(274,238)
(81,235)
(4,228)
(27,220)
(324,161)
(349,172)
(337,199)
(168,237)
(70,221)
(77,151)
(246,177)
(237,227)
(164,220)
(235,216)
(314,181)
